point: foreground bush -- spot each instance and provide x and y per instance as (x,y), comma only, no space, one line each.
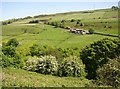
(109,74)
(31,64)
(98,53)
(72,66)
(47,65)
(43,65)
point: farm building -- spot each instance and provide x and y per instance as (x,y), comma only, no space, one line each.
(73,30)
(79,31)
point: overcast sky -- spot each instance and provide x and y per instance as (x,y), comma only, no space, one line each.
(11,9)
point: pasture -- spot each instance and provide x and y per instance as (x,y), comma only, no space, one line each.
(43,34)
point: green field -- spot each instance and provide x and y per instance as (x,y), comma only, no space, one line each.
(46,35)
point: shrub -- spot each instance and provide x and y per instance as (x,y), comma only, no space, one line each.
(62,21)
(91,31)
(47,65)
(109,74)
(37,50)
(72,66)
(4,23)
(72,20)
(12,42)
(98,53)
(6,61)
(81,24)
(9,51)
(14,61)
(77,22)
(18,61)
(31,64)
(43,65)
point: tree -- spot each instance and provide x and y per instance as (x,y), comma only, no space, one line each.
(12,42)
(81,24)
(98,53)
(114,8)
(62,21)
(77,22)
(72,20)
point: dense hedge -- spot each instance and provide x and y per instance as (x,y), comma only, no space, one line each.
(98,53)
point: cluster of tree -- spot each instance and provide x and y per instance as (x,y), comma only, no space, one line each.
(88,12)
(10,57)
(63,22)
(34,21)
(28,17)
(114,8)
(14,20)
(98,54)
(6,22)
(78,23)
(56,24)
(37,16)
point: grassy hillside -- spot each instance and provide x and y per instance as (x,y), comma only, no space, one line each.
(103,21)
(42,34)
(17,77)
